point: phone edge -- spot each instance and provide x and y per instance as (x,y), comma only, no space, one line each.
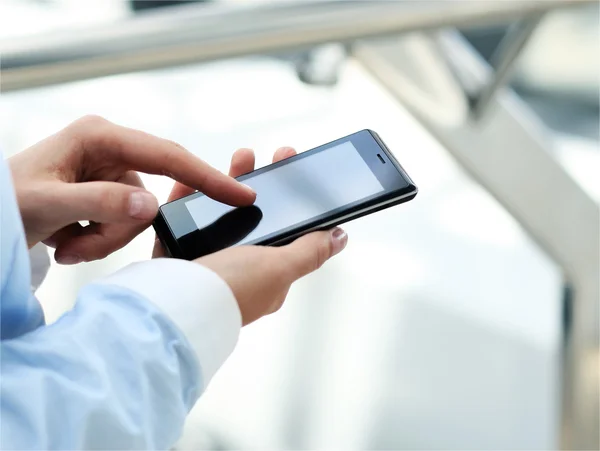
(344,219)
(393,159)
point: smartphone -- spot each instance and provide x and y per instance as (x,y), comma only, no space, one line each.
(315,190)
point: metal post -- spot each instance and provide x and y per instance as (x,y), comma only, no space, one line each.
(508,155)
(503,60)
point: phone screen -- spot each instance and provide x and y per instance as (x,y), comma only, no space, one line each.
(288,195)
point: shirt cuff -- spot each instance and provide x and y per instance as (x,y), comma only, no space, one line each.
(196,299)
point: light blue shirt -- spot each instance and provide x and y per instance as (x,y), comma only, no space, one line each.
(119,371)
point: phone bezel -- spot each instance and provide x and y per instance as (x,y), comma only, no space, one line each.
(174,216)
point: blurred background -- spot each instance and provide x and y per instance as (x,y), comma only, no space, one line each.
(442,326)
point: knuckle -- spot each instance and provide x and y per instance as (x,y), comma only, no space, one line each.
(278,301)
(204,179)
(173,157)
(89,131)
(103,243)
(170,160)
(101,253)
(88,123)
(92,119)
(131,178)
(92,248)
(176,144)
(276,306)
(322,254)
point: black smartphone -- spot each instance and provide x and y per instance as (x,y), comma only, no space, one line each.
(314,190)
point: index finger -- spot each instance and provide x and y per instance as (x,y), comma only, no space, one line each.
(143,152)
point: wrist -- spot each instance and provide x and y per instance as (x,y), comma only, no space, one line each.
(196,300)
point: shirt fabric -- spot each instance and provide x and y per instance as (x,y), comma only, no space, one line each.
(122,369)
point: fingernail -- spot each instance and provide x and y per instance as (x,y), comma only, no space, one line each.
(340,239)
(250,190)
(142,205)
(69,259)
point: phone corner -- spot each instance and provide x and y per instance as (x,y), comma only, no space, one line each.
(371,132)
(159,223)
(414,188)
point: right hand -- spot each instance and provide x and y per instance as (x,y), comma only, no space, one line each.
(87,172)
(260,277)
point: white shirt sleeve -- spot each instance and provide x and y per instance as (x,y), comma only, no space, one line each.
(196,299)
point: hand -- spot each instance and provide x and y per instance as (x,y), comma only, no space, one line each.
(87,172)
(242,162)
(260,277)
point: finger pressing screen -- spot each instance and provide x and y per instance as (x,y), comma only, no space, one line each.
(140,151)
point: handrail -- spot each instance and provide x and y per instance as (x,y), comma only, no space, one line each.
(194,33)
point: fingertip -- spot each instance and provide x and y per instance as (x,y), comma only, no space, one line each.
(68,259)
(250,193)
(242,162)
(283,152)
(158,250)
(339,239)
(69,253)
(242,152)
(311,251)
(73,251)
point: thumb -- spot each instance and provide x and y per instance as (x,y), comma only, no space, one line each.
(104,202)
(310,252)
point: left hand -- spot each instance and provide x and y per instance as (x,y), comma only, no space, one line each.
(261,276)
(242,162)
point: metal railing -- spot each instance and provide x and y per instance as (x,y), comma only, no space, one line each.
(196,33)
(193,33)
